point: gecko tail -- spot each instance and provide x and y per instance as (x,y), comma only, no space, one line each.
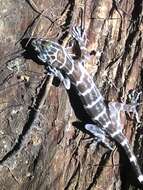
(123,141)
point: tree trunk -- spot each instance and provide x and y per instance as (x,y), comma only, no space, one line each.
(40,146)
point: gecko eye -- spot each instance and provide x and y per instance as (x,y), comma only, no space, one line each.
(46,43)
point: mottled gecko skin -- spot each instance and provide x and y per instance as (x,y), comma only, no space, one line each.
(56,57)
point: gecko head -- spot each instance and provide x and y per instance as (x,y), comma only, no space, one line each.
(45,50)
(49,53)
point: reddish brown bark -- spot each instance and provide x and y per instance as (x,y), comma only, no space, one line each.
(42,149)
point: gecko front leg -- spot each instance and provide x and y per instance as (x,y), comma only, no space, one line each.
(57,73)
(79,35)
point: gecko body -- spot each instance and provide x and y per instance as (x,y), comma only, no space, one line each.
(57,60)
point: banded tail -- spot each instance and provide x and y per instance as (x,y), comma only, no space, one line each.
(119,137)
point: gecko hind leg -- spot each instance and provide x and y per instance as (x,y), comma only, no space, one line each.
(99,134)
(116,107)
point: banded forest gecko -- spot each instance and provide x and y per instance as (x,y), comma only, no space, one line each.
(106,119)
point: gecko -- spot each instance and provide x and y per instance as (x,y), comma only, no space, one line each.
(106,118)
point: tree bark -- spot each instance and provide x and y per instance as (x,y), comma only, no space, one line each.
(40,146)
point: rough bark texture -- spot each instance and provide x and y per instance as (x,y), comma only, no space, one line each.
(41,149)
